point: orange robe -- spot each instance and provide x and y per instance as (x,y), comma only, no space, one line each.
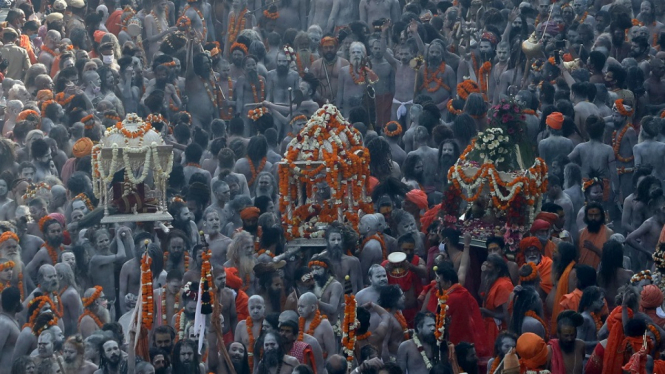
(498,295)
(588,257)
(561,291)
(550,248)
(545,271)
(571,301)
(26,44)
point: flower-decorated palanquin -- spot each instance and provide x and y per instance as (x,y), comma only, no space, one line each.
(131,166)
(327,154)
(492,168)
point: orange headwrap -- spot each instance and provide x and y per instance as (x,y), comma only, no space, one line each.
(8,235)
(539,224)
(613,359)
(328,40)
(555,120)
(43,95)
(98,35)
(232,278)
(82,147)
(24,115)
(417,197)
(250,212)
(529,242)
(651,297)
(533,352)
(547,216)
(467,87)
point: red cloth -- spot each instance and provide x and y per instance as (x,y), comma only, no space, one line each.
(595,363)
(410,281)
(545,271)
(571,301)
(228,338)
(550,248)
(463,317)
(241,305)
(498,295)
(557,364)
(384,104)
(303,353)
(613,362)
(113,23)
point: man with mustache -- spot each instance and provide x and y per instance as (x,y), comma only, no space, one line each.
(280,80)
(377,279)
(301,351)
(271,286)
(187,312)
(96,313)
(435,78)
(314,323)
(327,289)
(241,256)
(352,87)
(251,89)
(481,62)
(567,351)
(176,247)
(183,221)
(111,360)
(327,68)
(373,247)
(495,289)
(10,251)
(47,357)
(624,138)
(41,314)
(531,250)
(593,236)
(417,355)
(238,355)
(103,262)
(74,357)
(274,357)
(160,360)
(217,242)
(49,286)
(49,252)
(337,239)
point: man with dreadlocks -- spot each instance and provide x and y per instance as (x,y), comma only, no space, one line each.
(274,360)
(434,78)
(418,354)
(49,252)
(255,162)
(342,264)
(327,289)
(111,360)
(354,85)
(69,293)
(47,358)
(241,256)
(185,317)
(40,316)
(96,313)
(73,354)
(594,235)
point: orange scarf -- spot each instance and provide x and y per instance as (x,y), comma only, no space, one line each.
(613,357)
(561,290)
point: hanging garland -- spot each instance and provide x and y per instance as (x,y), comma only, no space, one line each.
(147,304)
(176,305)
(316,321)
(616,144)
(349,327)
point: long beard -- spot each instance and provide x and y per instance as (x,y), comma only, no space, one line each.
(104,315)
(282,70)
(429,338)
(567,347)
(447,161)
(73,367)
(320,279)
(18,265)
(253,77)
(245,265)
(487,56)
(275,299)
(50,287)
(162,370)
(272,357)
(335,252)
(617,41)
(251,229)
(594,226)
(487,280)
(54,242)
(433,62)
(264,191)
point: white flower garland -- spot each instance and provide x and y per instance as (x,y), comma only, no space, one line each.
(421,349)
(146,165)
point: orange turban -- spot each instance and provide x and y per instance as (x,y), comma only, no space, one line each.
(417,197)
(82,147)
(98,35)
(651,297)
(24,115)
(555,120)
(532,350)
(529,242)
(232,278)
(44,95)
(328,40)
(249,213)
(467,87)
(539,224)
(547,216)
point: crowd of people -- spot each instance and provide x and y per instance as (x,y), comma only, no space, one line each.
(230,85)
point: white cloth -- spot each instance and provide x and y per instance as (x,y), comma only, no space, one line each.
(401,110)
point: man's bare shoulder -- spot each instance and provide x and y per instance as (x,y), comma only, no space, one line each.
(291,361)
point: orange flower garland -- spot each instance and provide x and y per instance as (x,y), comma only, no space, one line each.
(452,109)
(249,324)
(147,302)
(52,252)
(597,321)
(395,132)
(87,301)
(316,321)
(616,144)
(301,69)
(533,315)
(273,16)
(442,310)
(530,112)
(186,254)
(255,171)
(138,133)
(60,99)
(238,21)
(176,305)
(618,104)
(229,115)
(364,336)
(49,50)
(256,113)
(349,326)
(402,322)
(259,98)
(495,365)
(378,238)
(6,236)
(483,76)
(533,275)
(92,315)
(200,14)
(83,197)
(439,82)
(206,273)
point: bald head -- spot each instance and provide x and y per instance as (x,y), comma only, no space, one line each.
(288,315)
(336,364)
(257,307)
(369,224)
(307,305)
(48,278)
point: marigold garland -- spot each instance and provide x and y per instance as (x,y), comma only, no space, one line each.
(364,336)
(534,273)
(229,114)
(147,302)
(349,327)
(206,274)
(256,113)
(442,310)
(3,238)
(379,239)
(361,75)
(60,99)
(312,264)
(434,78)
(83,197)
(597,321)
(270,15)
(421,350)
(616,144)
(200,14)
(52,252)
(259,98)
(530,112)
(465,88)
(94,317)
(452,110)
(238,21)
(483,76)
(533,315)
(316,321)
(395,132)
(180,324)
(183,23)
(495,365)
(6,265)
(301,69)
(138,133)
(642,275)
(255,171)
(176,305)
(655,332)
(87,301)
(402,322)
(249,324)
(619,106)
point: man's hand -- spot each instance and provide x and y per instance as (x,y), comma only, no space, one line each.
(467,239)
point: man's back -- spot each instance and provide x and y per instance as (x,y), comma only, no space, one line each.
(583,110)
(594,156)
